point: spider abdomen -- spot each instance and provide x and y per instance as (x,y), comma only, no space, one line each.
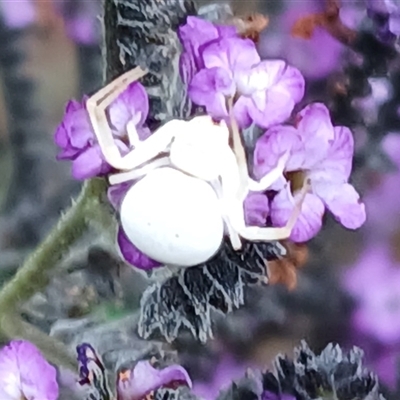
(173,218)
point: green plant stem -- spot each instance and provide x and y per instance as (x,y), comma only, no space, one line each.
(33,275)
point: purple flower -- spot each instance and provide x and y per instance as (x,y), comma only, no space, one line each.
(374,282)
(136,383)
(195,35)
(256,207)
(18,14)
(81,19)
(77,140)
(24,373)
(265,91)
(317,151)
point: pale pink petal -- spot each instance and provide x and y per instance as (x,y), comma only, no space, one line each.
(309,222)
(343,202)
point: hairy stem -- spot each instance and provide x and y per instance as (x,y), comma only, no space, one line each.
(54,351)
(33,275)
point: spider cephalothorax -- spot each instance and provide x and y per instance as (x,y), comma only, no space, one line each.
(189,187)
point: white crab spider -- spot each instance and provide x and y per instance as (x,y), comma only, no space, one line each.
(191,185)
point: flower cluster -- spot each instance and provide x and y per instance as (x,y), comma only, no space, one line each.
(135,383)
(78,142)
(225,74)
(224,67)
(316,151)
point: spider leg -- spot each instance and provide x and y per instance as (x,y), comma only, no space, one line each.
(265,182)
(96,106)
(145,150)
(140,172)
(231,202)
(267,234)
(232,234)
(240,152)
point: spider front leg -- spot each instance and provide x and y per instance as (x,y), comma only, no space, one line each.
(140,172)
(144,151)
(96,106)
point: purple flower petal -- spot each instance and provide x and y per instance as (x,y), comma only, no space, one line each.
(75,131)
(132,254)
(276,109)
(90,163)
(197,33)
(132,104)
(316,130)
(274,89)
(271,146)
(292,81)
(24,373)
(256,207)
(135,384)
(231,54)
(241,113)
(209,88)
(18,14)
(337,164)
(259,77)
(309,222)
(343,202)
